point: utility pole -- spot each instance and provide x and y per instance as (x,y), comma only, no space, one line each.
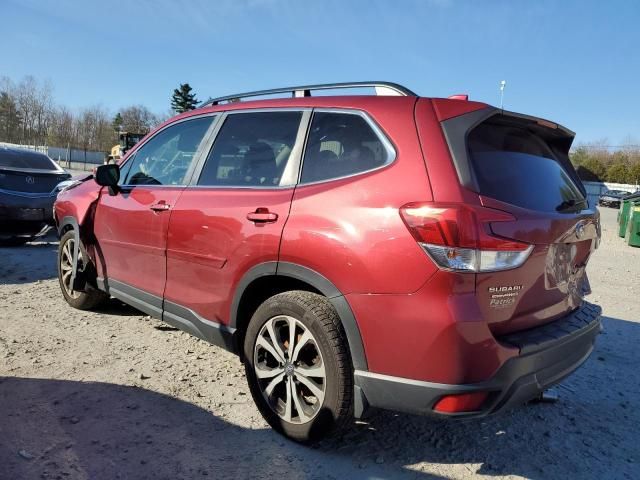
(503,84)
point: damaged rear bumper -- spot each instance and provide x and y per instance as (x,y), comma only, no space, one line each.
(548,354)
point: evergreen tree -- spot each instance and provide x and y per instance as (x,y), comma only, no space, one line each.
(10,119)
(116,124)
(182,99)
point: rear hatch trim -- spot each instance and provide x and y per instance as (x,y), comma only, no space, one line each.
(456,131)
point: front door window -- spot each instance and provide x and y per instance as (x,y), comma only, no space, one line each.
(166,159)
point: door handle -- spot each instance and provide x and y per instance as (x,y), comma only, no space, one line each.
(161,206)
(262,215)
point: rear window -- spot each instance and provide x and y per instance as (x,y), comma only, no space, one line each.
(25,159)
(517,166)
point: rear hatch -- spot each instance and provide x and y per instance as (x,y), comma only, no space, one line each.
(29,173)
(520,165)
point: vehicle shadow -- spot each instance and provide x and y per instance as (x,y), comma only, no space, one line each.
(113,306)
(30,262)
(85,430)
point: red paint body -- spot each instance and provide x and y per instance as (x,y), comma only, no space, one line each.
(416,320)
(133,238)
(211,244)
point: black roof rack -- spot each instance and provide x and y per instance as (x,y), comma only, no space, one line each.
(382,88)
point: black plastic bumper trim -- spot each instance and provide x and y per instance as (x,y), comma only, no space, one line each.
(548,354)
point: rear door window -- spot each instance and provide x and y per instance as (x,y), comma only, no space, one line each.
(342,144)
(517,166)
(251,150)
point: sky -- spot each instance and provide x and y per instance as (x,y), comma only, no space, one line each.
(574,62)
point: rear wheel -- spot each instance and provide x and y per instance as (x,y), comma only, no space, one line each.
(82,300)
(298,366)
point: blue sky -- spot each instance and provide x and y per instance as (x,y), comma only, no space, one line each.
(575,62)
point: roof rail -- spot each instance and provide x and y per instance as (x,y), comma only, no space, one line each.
(381,88)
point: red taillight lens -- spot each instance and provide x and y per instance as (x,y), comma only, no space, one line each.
(466,402)
(440,225)
(457,237)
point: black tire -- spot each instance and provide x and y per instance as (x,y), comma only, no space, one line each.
(90,297)
(317,315)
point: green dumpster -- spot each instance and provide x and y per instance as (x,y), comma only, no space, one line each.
(623,214)
(632,236)
(623,217)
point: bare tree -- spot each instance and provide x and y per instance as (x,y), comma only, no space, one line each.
(138,119)
(35,105)
(93,129)
(61,128)
(28,115)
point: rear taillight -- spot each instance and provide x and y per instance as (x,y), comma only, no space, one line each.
(457,237)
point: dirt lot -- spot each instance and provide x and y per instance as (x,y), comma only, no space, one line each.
(115,394)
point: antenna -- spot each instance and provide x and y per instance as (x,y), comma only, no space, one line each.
(503,84)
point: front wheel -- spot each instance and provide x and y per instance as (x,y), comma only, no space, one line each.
(298,365)
(84,300)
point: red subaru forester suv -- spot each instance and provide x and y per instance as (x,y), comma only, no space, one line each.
(418,254)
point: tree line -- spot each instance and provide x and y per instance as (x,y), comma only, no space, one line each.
(598,162)
(30,116)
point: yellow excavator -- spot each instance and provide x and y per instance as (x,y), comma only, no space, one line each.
(127,141)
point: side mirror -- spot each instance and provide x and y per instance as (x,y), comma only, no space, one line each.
(108,176)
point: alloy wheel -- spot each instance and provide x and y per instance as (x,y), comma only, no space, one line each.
(290,369)
(66,267)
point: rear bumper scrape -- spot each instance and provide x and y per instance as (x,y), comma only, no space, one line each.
(548,354)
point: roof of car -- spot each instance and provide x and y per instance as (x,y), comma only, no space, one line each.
(388,99)
(356,102)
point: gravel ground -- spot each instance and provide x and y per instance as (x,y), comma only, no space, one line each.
(116,394)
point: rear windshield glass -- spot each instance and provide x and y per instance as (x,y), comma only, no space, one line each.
(516,166)
(25,159)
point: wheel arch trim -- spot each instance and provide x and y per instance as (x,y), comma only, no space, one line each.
(320,283)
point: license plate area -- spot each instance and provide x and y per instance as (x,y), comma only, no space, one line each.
(30,214)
